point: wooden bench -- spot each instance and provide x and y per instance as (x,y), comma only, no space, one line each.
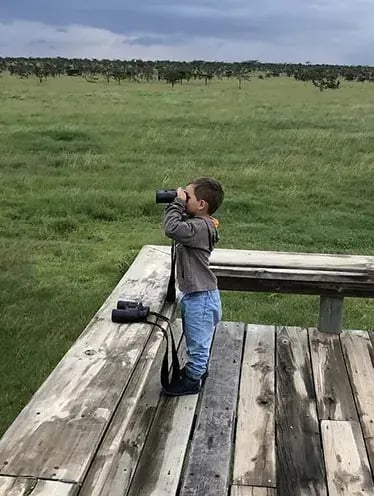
(99,426)
(333,277)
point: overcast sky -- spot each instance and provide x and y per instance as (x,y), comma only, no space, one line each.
(319,31)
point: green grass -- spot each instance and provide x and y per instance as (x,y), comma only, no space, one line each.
(79,166)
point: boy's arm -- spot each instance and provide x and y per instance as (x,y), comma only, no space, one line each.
(175,227)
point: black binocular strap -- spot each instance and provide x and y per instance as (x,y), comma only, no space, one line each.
(165,362)
(171,293)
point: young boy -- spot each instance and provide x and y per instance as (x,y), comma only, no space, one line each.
(189,223)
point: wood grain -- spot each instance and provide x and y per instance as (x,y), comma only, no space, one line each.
(254,459)
(359,356)
(334,394)
(207,471)
(58,432)
(252,491)
(115,462)
(347,466)
(300,467)
(21,486)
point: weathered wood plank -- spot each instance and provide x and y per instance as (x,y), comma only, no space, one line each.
(254,459)
(208,465)
(289,260)
(331,314)
(160,465)
(158,470)
(300,469)
(303,273)
(359,356)
(22,486)
(114,465)
(347,465)
(230,282)
(57,433)
(292,274)
(371,335)
(333,390)
(252,491)
(310,261)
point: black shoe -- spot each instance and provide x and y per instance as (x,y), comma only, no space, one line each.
(183,385)
(203,377)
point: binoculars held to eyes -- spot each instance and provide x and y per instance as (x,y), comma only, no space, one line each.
(167,195)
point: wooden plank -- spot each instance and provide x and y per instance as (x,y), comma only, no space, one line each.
(160,465)
(302,273)
(371,335)
(347,465)
(291,274)
(252,491)
(289,286)
(207,469)
(57,433)
(158,470)
(290,260)
(22,486)
(331,314)
(359,356)
(254,459)
(333,390)
(114,465)
(309,261)
(300,469)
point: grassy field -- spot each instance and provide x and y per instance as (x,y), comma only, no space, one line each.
(79,166)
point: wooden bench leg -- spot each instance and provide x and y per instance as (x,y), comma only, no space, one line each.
(331,314)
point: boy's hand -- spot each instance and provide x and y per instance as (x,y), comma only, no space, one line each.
(181,194)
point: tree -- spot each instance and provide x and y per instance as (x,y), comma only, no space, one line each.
(327,83)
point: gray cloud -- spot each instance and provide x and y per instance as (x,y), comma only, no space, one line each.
(233,20)
(292,30)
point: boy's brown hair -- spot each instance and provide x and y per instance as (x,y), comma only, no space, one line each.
(209,190)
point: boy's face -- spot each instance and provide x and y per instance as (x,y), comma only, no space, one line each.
(194,206)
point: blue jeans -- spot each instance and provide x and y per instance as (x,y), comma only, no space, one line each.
(201,312)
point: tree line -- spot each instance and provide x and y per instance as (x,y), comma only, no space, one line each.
(171,72)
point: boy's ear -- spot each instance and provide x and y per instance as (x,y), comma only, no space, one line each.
(202,204)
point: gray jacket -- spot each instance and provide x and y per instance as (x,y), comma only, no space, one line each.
(195,238)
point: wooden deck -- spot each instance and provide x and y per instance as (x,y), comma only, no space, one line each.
(285,411)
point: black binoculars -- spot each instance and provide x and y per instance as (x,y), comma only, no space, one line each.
(167,195)
(129,311)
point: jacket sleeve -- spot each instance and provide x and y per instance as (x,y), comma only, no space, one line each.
(176,227)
